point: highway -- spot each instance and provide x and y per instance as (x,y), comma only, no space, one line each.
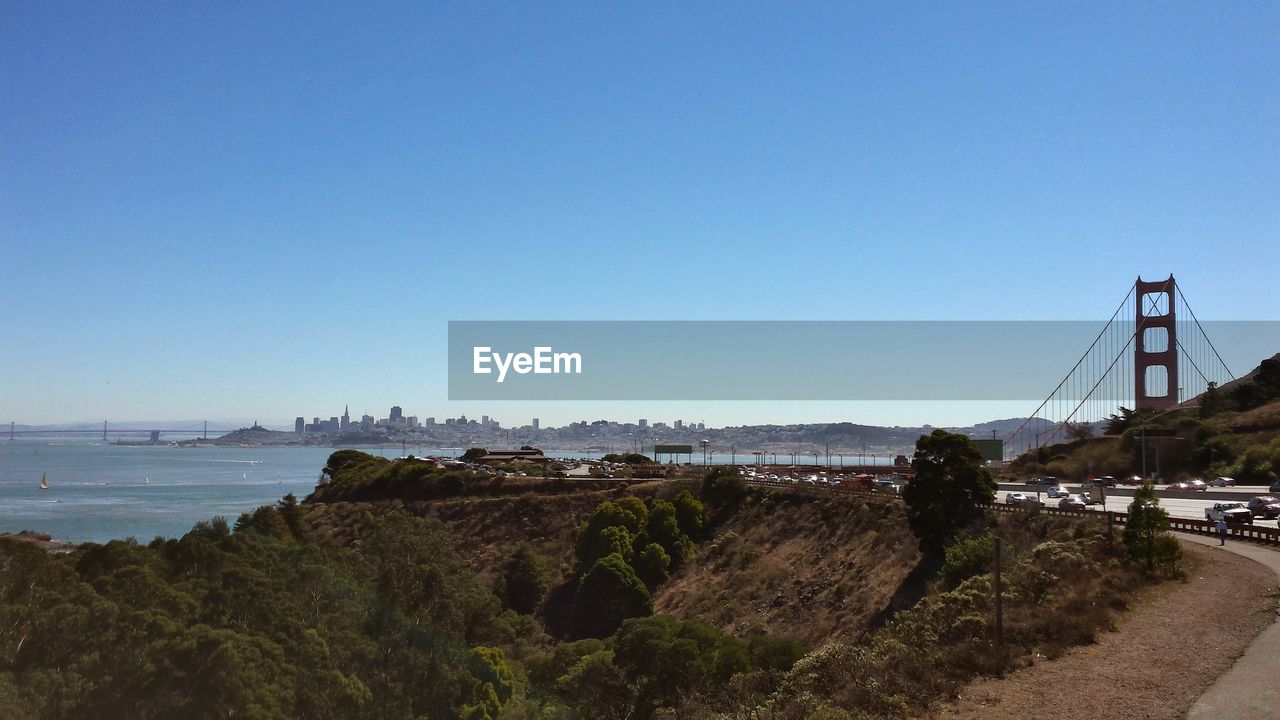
(1184,505)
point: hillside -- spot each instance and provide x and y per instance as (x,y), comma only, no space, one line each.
(793,565)
(803,567)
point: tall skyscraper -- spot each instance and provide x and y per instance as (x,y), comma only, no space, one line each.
(346,418)
(299,424)
(535,423)
(397,415)
(484,421)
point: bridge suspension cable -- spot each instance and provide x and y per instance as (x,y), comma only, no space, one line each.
(1152,320)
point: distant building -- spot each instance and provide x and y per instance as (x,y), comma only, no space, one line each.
(299,425)
(322,426)
(644,423)
(535,423)
(346,418)
(679,425)
(484,421)
(431,421)
(397,415)
(412,421)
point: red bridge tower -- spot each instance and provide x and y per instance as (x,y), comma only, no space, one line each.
(1155,354)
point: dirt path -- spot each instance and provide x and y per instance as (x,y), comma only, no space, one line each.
(1248,690)
(1170,648)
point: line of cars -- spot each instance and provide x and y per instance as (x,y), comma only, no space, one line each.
(1266,507)
(856,482)
(1067,500)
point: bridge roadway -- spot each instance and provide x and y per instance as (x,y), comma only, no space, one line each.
(1190,505)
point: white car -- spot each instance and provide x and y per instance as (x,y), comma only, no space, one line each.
(1058,492)
(1229,511)
(1015,498)
(1223,482)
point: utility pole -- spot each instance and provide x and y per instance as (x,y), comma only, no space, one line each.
(999,599)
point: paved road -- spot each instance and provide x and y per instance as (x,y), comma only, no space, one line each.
(1181,507)
(1248,691)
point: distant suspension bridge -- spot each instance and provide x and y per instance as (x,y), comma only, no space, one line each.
(155,435)
(1152,355)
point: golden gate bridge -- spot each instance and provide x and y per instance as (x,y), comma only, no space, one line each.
(1151,355)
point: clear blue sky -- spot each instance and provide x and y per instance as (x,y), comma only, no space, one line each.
(226,210)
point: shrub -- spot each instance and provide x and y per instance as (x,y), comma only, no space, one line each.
(966,558)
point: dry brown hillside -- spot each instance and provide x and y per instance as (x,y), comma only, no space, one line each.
(805,567)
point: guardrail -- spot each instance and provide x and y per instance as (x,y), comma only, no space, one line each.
(1265,535)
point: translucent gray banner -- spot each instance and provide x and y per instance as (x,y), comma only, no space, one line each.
(827,360)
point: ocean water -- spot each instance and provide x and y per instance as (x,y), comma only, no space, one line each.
(99,491)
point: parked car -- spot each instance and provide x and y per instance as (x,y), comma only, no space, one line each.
(1072,502)
(1058,492)
(1223,482)
(1232,512)
(1264,506)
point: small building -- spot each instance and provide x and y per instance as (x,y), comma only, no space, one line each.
(499,457)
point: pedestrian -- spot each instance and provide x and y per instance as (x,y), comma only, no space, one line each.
(1222,531)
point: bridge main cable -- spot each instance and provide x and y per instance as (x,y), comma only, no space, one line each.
(1067,377)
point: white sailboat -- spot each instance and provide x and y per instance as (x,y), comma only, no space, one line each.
(44,482)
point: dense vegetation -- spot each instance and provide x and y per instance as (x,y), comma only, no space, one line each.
(278,617)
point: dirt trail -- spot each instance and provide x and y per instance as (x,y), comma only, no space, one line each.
(1171,647)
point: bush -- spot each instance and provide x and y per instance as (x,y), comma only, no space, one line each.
(609,593)
(523,581)
(723,486)
(966,558)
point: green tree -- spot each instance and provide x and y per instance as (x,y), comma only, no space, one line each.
(609,593)
(597,687)
(723,485)
(949,485)
(689,514)
(473,454)
(668,660)
(1146,532)
(523,581)
(653,565)
(664,529)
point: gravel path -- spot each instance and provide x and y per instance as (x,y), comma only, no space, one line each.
(1170,648)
